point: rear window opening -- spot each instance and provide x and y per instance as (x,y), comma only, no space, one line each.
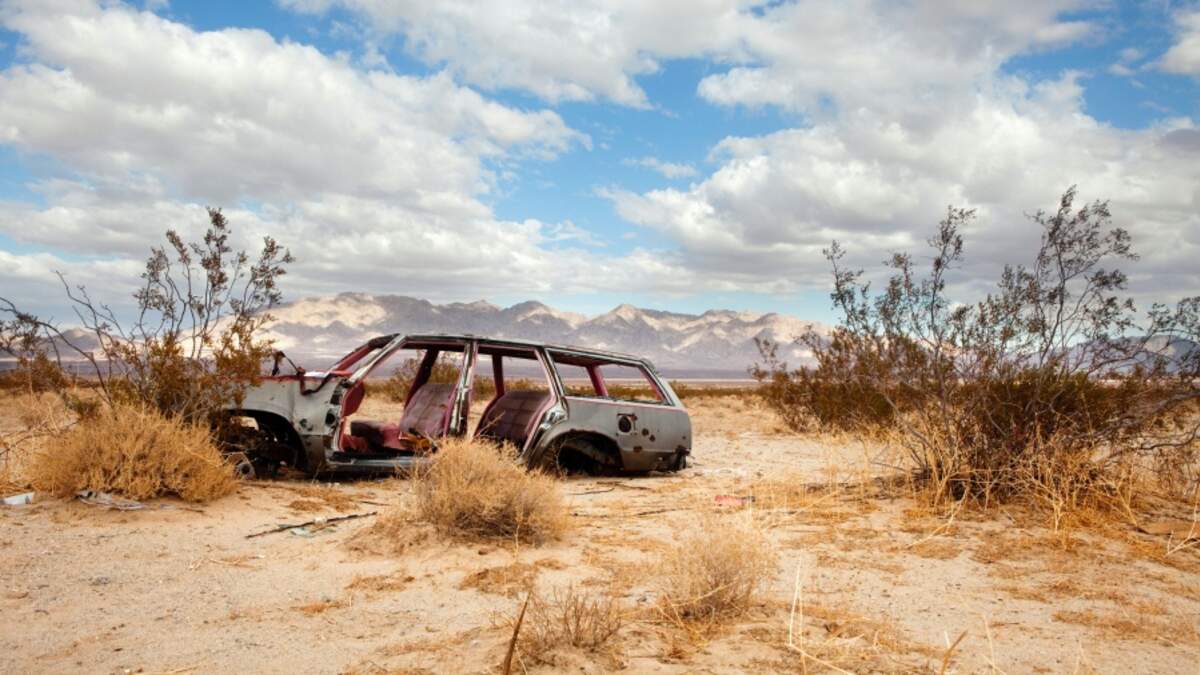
(589,377)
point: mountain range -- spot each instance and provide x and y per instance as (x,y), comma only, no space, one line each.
(717,343)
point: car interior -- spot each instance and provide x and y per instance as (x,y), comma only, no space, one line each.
(511,379)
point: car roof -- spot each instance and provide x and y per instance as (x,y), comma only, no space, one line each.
(516,342)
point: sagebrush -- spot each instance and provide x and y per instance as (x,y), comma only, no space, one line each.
(134,452)
(714,572)
(478,490)
(190,344)
(569,618)
(993,399)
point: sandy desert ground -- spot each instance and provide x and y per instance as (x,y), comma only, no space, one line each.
(867,581)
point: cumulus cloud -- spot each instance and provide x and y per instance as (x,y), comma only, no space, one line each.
(374,180)
(1184,55)
(380,181)
(786,53)
(557,50)
(905,109)
(231,113)
(877,186)
(666,169)
(822,58)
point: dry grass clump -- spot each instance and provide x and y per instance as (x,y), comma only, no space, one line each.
(1052,390)
(832,638)
(569,618)
(380,582)
(321,606)
(136,453)
(1133,626)
(510,580)
(316,497)
(732,415)
(714,572)
(475,489)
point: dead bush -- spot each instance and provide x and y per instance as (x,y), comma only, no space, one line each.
(396,386)
(569,618)
(40,416)
(713,573)
(10,481)
(190,344)
(134,452)
(476,489)
(1052,387)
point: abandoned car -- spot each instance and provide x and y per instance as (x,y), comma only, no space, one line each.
(564,408)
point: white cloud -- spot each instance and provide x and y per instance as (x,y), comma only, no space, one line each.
(379,181)
(233,113)
(573,51)
(788,53)
(557,50)
(816,57)
(669,170)
(374,180)
(1184,55)
(877,186)
(1126,65)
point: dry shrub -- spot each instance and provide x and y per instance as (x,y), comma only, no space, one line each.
(477,490)
(734,415)
(10,481)
(713,573)
(197,342)
(396,387)
(1052,389)
(569,618)
(39,416)
(136,453)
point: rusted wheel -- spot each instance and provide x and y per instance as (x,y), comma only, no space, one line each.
(243,468)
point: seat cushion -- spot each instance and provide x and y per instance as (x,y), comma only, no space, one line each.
(427,411)
(376,433)
(512,417)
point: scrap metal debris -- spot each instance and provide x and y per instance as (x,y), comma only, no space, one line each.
(17,500)
(322,522)
(108,500)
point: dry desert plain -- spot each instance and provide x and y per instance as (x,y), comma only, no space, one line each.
(868,580)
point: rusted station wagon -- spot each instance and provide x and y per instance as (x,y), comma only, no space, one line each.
(560,407)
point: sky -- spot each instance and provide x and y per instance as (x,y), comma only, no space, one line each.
(678,155)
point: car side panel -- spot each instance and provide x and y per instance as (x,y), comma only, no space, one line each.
(648,436)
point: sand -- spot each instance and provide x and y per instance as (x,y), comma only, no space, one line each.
(881,583)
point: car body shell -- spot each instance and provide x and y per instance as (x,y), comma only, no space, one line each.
(305,413)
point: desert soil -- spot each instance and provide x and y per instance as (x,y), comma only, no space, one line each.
(868,580)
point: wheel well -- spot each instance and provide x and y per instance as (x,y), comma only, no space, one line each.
(607,447)
(281,430)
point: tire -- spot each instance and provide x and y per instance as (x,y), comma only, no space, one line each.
(680,463)
(574,455)
(243,468)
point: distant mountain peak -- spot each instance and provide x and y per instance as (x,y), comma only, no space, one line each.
(717,341)
(481,305)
